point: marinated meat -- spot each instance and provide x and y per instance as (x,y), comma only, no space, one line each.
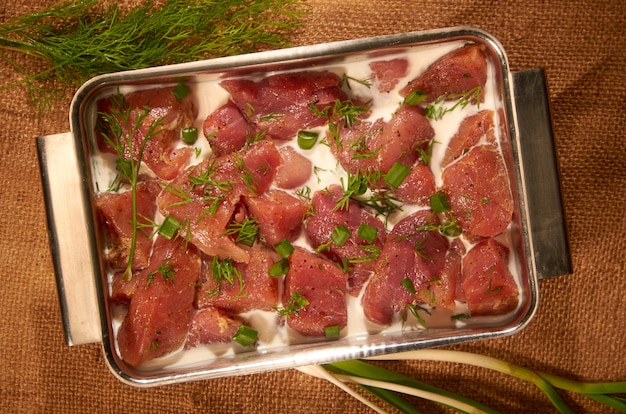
(417,187)
(356,254)
(387,73)
(488,285)
(455,73)
(279,105)
(154,118)
(412,252)
(160,311)
(211,325)
(376,146)
(477,187)
(471,130)
(205,196)
(294,169)
(323,285)
(227,130)
(115,210)
(279,215)
(239,287)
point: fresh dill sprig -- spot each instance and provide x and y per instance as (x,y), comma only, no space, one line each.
(79,39)
(119,128)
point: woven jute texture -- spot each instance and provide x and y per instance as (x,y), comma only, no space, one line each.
(578,331)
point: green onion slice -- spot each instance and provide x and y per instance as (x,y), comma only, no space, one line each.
(181,91)
(408,285)
(439,203)
(245,335)
(340,235)
(280,268)
(332,331)
(169,227)
(396,175)
(367,232)
(415,98)
(284,248)
(190,135)
(307,139)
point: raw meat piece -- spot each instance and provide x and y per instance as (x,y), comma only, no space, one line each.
(488,285)
(211,325)
(294,169)
(477,188)
(454,73)
(279,215)
(387,73)
(161,154)
(323,285)
(259,290)
(159,315)
(417,187)
(278,105)
(115,211)
(471,130)
(325,217)
(227,130)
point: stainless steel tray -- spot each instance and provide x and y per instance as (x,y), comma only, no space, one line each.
(82,287)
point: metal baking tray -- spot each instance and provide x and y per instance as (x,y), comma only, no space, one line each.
(538,235)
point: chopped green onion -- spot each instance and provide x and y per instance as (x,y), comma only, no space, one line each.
(181,91)
(367,232)
(245,335)
(396,175)
(439,203)
(415,98)
(408,285)
(280,268)
(307,139)
(332,331)
(169,227)
(190,135)
(284,248)
(340,235)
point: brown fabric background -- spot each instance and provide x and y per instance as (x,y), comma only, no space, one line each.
(579,329)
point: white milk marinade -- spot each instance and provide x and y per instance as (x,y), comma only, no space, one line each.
(210,96)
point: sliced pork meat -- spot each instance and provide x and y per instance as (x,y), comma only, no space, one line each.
(205,196)
(471,130)
(454,73)
(162,107)
(227,130)
(211,325)
(115,211)
(478,190)
(323,285)
(488,285)
(294,170)
(417,187)
(279,215)
(355,254)
(279,105)
(415,252)
(239,287)
(160,311)
(387,73)
(376,146)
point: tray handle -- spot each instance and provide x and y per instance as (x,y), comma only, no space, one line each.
(541,173)
(69,233)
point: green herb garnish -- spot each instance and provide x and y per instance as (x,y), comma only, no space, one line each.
(245,335)
(293,306)
(118,130)
(84,38)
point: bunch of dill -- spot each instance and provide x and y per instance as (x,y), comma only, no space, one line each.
(79,39)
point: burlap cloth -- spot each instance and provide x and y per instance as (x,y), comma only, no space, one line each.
(578,331)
